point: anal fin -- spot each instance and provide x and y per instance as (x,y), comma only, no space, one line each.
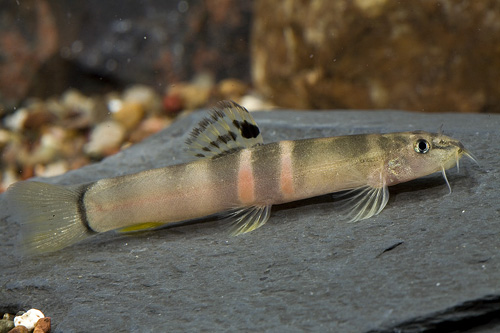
(141,227)
(248,219)
(364,202)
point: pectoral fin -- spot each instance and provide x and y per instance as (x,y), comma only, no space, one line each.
(248,219)
(363,203)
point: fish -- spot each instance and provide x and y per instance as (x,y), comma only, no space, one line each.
(234,174)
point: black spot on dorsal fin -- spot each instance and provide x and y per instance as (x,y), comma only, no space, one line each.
(228,128)
(247,129)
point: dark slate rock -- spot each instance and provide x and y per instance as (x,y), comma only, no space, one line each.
(428,261)
(156,42)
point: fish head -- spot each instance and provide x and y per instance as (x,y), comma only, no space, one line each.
(418,154)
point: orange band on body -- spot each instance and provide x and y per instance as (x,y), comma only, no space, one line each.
(286,171)
(246,180)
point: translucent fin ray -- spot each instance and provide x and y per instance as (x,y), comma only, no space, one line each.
(248,219)
(48,214)
(229,127)
(363,203)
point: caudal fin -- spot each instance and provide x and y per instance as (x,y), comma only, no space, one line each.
(49,215)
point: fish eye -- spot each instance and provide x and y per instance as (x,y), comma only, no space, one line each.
(422,146)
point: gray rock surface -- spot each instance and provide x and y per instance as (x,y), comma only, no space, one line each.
(429,261)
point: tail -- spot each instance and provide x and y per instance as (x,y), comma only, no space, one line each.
(49,215)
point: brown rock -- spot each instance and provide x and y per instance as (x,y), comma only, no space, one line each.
(28,38)
(19,329)
(43,325)
(232,89)
(417,55)
(6,325)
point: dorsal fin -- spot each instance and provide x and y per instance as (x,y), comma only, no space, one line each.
(228,128)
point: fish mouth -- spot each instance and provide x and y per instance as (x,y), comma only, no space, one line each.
(462,151)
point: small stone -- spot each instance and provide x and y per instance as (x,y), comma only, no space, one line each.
(42,325)
(145,96)
(129,114)
(47,148)
(15,121)
(105,139)
(50,170)
(193,96)
(5,137)
(232,88)
(254,103)
(148,127)
(6,325)
(19,329)
(8,178)
(172,103)
(38,116)
(28,319)
(81,111)
(78,162)
(9,316)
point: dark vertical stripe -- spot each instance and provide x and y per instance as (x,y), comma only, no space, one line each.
(82,211)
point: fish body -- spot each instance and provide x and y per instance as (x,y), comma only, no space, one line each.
(234,173)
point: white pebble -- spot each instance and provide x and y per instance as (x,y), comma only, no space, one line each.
(254,103)
(16,121)
(106,136)
(29,319)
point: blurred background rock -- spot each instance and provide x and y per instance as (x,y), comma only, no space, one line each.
(81,80)
(416,55)
(47,46)
(421,55)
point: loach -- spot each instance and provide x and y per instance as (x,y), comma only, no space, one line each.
(235,173)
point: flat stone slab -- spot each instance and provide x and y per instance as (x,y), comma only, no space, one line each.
(429,261)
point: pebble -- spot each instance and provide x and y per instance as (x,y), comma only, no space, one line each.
(129,114)
(232,89)
(193,96)
(19,329)
(6,325)
(78,129)
(43,325)
(172,102)
(145,96)
(9,177)
(81,109)
(5,137)
(255,103)
(148,127)
(9,316)
(38,116)
(15,121)
(28,319)
(51,169)
(105,139)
